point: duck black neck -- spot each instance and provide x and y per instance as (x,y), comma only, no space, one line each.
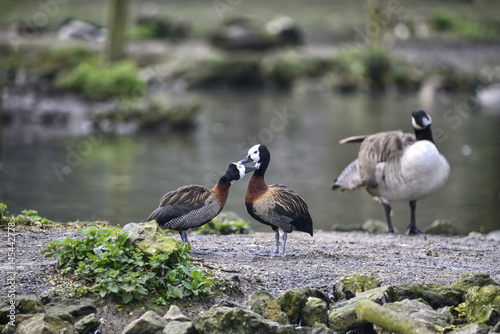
(262,169)
(425,134)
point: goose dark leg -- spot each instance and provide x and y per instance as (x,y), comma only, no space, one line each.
(387,209)
(184,236)
(284,244)
(276,241)
(412,228)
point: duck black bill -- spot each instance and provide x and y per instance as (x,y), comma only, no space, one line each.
(250,169)
(245,160)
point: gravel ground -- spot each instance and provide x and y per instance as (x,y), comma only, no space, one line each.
(309,261)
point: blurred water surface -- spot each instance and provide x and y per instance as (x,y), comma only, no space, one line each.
(121,178)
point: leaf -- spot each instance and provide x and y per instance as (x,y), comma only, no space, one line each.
(127,297)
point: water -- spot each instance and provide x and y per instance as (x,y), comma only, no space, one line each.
(121,178)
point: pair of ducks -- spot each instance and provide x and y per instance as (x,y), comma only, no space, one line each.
(392,166)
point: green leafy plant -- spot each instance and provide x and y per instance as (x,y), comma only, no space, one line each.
(102,82)
(444,20)
(102,258)
(223,225)
(27,217)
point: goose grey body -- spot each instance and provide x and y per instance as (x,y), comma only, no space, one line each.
(396,166)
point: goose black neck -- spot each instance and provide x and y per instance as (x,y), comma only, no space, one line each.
(425,134)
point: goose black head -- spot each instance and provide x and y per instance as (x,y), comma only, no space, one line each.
(420,120)
(235,172)
(258,154)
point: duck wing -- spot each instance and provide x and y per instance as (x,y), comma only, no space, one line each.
(291,206)
(181,202)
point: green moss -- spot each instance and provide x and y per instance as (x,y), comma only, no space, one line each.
(469,280)
(444,20)
(98,82)
(480,300)
(223,225)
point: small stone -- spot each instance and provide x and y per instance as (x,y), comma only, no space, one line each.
(179,327)
(257,300)
(347,287)
(432,252)
(174,314)
(148,323)
(273,312)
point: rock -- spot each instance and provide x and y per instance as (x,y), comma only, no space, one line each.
(76,29)
(87,324)
(346,287)
(441,227)
(174,314)
(179,327)
(150,239)
(148,323)
(28,304)
(242,34)
(320,329)
(436,295)
(235,320)
(375,226)
(60,307)
(315,311)
(469,280)
(480,301)
(273,312)
(494,235)
(496,328)
(286,30)
(45,324)
(432,252)
(257,300)
(423,313)
(342,316)
(472,329)
(292,301)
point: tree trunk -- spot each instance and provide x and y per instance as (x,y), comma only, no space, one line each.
(389,320)
(117,23)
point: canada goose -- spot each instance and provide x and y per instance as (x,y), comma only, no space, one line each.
(192,206)
(276,205)
(397,166)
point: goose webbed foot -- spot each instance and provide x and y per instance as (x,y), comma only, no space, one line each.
(413,230)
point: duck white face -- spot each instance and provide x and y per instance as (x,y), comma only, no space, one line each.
(241,170)
(253,155)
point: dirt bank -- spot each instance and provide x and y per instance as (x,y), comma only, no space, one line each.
(310,261)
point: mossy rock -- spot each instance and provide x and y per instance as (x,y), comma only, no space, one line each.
(44,323)
(347,287)
(150,239)
(342,316)
(273,312)
(480,301)
(27,304)
(435,295)
(469,280)
(257,301)
(293,301)
(234,320)
(441,227)
(315,311)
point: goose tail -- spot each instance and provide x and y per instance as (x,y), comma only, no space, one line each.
(349,179)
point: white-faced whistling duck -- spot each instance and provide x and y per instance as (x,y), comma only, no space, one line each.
(397,166)
(275,205)
(193,206)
